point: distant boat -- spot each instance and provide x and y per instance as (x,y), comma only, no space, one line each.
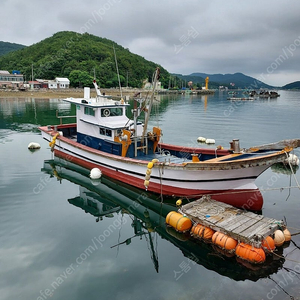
(104,137)
(241,98)
(274,94)
(268,94)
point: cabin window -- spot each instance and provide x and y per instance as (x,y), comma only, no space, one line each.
(89,111)
(112,112)
(105,131)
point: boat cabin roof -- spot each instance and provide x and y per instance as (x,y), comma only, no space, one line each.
(111,115)
(98,102)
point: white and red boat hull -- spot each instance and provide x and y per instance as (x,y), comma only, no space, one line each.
(223,179)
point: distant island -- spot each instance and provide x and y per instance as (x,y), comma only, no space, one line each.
(292,86)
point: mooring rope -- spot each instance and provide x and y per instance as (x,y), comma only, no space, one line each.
(296,233)
(285,258)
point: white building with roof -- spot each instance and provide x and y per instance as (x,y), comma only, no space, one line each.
(59,83)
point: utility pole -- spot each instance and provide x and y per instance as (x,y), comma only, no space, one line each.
(32,85)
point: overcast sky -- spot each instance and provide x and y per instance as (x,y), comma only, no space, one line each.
(260,38)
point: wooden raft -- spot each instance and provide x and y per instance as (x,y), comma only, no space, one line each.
(244,226)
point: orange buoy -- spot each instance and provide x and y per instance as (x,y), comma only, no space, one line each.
(250,253)
(268,244)
(201,231)
(279,238)
(287,235)
(224,241)
(178,221)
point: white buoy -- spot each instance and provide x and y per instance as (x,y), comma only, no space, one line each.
(95,173)
(292,159)
(210,141)
(201,139)
(279,238)
(33,145)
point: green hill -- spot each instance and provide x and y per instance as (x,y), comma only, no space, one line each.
(78,57)
(6,47)
(292,86)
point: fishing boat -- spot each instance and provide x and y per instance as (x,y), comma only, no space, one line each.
(125,149)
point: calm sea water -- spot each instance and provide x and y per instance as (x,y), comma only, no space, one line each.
(65,237)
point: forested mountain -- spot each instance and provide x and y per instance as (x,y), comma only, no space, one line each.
(238,79)
(6,47)
(79,57)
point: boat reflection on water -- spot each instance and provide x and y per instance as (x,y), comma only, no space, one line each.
(105,197)
(284,169)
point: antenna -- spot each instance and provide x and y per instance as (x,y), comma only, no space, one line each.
(98,92)
(117,71)
(148,109)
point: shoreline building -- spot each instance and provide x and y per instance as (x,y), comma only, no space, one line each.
(13,81)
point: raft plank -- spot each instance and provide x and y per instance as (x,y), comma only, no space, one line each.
(249,222)
(232,219)
(264,229)
(242,225)
(236,222)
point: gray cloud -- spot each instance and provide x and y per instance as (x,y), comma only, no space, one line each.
(257,37)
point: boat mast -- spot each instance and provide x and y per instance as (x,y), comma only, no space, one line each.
(118,71)
(148,108)
(154,257)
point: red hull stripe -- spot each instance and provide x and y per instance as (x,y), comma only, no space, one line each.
(248,199)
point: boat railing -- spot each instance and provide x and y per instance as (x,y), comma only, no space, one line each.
(62,117)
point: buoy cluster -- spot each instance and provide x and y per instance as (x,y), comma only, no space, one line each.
(226,244)
(201,139)
(148,172)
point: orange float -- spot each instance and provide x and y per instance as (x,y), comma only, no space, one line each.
(178,221)
(250,253)
(268,244)
(201,231)
(224,241)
